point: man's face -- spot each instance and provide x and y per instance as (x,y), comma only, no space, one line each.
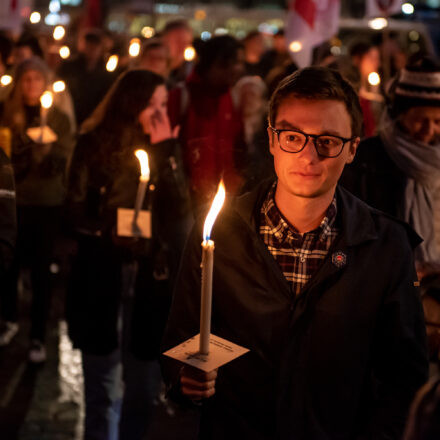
(177,41)
(223,75)
(422,124)
(305,174)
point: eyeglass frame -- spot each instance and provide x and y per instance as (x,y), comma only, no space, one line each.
(314,137)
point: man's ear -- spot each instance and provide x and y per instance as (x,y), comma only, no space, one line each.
(271,136)
(352,149)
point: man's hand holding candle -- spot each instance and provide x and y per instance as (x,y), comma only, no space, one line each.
(197,384)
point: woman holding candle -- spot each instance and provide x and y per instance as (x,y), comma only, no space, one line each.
(40,171)
(109,269)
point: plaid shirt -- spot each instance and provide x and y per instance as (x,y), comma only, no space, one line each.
(298,255)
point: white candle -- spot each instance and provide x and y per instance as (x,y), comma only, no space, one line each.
(46,101)
(143,182)
(207,270)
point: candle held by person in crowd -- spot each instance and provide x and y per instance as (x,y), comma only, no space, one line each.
(143,182)
(46,101)
(207,269)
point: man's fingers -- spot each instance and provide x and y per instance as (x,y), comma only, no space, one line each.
(201,376)
(197,395)
(196,385)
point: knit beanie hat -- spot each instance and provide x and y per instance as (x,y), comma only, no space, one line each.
(415,86)
(34,63)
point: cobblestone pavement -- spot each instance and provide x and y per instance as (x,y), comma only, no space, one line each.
(46,402)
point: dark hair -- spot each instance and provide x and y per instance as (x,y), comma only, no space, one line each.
(31,41)
(318,83)
(424,419)
(174,25)
(152,44)
(250,36)
(5,48)
(222,49)
(93,36)
(360,48)
(126,100)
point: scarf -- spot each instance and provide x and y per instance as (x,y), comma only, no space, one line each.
(421,164)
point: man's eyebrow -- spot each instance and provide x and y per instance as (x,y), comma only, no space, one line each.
(283,124)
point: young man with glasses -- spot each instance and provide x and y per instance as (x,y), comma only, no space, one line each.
(319,286)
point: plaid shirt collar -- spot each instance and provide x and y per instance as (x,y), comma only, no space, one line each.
(283,230)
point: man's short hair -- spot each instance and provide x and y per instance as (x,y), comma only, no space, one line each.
(176,25)
(319,83)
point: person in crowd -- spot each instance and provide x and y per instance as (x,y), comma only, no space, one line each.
(8,219)
(398,171)
(211,126)
(27,46)
(277,56)
(423,421)
(250,93)
(365,57)
(334,351)
(254,49)
(108,269)
(40,168)
(177,36)
(85,74)
(154,57)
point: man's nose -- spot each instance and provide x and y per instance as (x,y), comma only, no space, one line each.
(309,152)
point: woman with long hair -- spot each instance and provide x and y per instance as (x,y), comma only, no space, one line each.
(113,275)
(40,166)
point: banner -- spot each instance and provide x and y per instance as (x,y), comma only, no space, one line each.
(310,23)
(382,8)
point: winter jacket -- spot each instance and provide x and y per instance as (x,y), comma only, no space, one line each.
(342,360)
(8,221)
(41,180)
(98,187)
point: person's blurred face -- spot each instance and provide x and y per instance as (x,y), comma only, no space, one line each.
(156,108)
(155,60)
(93,51)
(305,174)
(21,54)
(279,43)
(370,62)
(32,85)
(177,41)
(254,48)
(422,124)
(223,75)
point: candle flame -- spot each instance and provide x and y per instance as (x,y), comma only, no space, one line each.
(143,160)
(46,99)
(135,47)
(216,206)
(112,63)
(59,86)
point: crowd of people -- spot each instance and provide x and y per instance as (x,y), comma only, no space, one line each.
(321,287)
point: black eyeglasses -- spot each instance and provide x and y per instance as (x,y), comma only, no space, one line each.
(294,141)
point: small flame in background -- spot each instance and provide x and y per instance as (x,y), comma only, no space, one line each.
(112,63)
(46,99)
(143,160)
(216,206)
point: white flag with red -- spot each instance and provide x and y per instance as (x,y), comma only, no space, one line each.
(382,8)
(310,23)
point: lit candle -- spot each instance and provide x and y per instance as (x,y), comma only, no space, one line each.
(143,182)
(207,269)
(46,101)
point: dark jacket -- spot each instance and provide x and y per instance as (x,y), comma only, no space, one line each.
(42,181)
(375,178)
(99,185)
(8,220)
(342,360)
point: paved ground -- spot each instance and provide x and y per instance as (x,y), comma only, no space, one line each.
(46,403)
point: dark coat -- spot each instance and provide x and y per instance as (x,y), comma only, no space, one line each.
(8,220)
(375,178)
(342,360)
(97,188)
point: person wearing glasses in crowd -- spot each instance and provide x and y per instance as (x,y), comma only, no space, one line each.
(319,287)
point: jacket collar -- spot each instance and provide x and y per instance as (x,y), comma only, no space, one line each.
(357,223)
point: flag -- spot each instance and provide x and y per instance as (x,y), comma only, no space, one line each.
(310,23)
(382,8)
